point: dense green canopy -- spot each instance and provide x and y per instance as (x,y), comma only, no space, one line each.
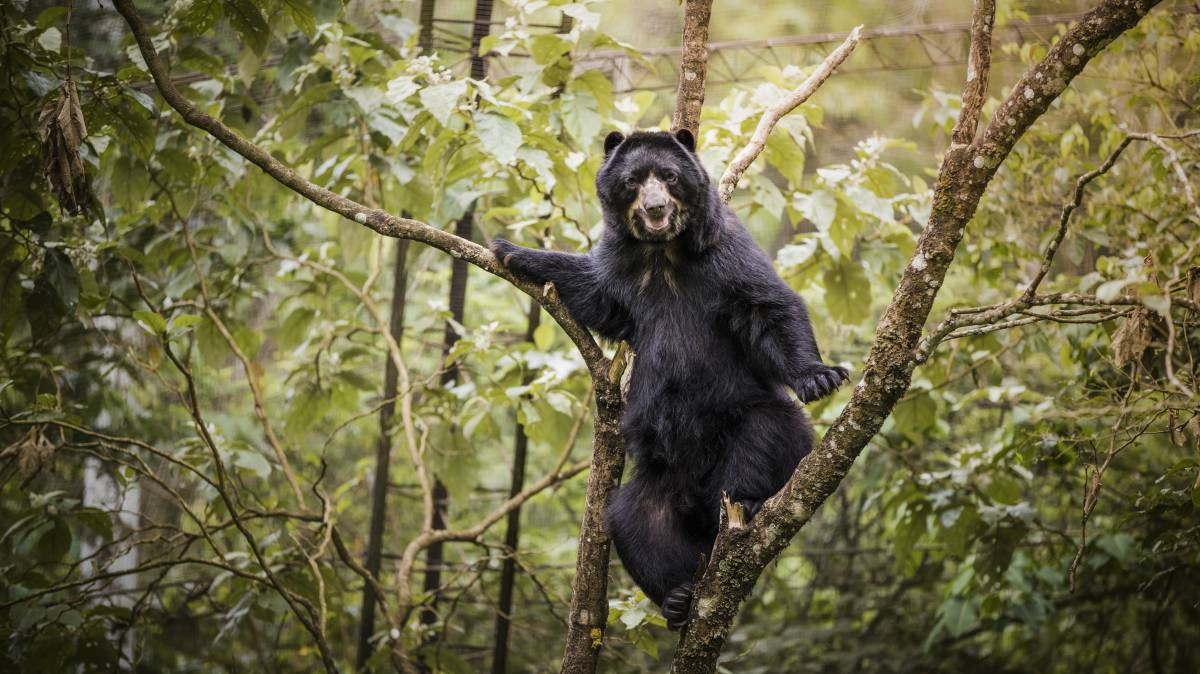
(193,382)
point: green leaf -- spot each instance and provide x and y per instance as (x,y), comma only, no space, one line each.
(819,207)
(1160,304)
(793,255)
(547,48)
(295,328)
(151,322)
(959,615)
(867,202)
(581,116)
(1004,489)
(915,416)
(561,402)
(247,19)
(302,15)
(253,462)
(51,39)
(55,542)
(847,292)
(130,182)
(184,322)
(441,100)
(1119,546)
(543,337)
(96,520)
(60,273)
(400,88)
(201,15)
(51,16)
(633,616)
(1111,290)
(500,136)
(785,151)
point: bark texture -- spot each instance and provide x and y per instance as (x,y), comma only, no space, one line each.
(589,597)
(740,555)
(693,65)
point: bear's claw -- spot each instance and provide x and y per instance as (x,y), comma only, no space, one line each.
(676,605)
(822,381)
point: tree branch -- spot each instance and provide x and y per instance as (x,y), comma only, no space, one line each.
(739,556)
(766,124)
(378,220)
(988,315)
(979,62)
(589,589)
(693,65)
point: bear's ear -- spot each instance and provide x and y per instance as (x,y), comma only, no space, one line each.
(611,141)
(686,139)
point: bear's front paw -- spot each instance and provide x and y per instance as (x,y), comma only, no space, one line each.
(504,250)
(820,382)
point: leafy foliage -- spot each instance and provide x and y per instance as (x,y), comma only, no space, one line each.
(183,345)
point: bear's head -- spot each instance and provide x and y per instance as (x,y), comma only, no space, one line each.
(653,188)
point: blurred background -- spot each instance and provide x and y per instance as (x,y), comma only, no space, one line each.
(1030,506)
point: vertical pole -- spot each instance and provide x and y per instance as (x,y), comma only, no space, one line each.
(512,534)
(434,554)
(383,456)
(425,39)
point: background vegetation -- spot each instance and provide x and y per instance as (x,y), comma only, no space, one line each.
(194,358)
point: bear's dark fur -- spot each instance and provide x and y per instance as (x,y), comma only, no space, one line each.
(719,337)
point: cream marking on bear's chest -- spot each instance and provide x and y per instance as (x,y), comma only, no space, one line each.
(661,260)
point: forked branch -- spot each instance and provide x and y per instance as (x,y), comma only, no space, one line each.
(739,556)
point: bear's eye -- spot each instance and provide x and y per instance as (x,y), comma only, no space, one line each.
(670,177)
(632,183)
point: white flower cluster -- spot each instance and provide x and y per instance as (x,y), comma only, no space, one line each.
(429,68)
(83,256)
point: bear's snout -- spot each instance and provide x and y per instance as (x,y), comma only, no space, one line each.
(655,205)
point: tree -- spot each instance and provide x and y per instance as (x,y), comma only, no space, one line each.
(252,542)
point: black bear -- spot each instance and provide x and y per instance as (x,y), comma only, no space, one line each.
(719,338)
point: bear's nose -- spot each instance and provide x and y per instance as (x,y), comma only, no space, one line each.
(655,204)
(657,211)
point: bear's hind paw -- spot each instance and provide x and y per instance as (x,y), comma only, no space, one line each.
(676,605)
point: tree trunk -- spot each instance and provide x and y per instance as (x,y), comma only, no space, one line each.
(693,65)
(589,590)
(740,555)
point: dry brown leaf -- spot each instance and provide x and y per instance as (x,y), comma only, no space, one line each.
(1176,428)
(35,452)
(61,131)
(1130,340)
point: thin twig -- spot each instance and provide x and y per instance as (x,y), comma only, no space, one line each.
(747,155)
